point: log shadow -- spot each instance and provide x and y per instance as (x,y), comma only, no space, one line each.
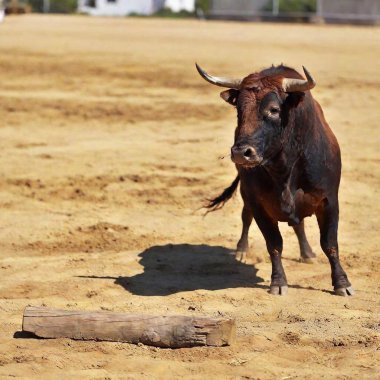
(25,335)
(170,269)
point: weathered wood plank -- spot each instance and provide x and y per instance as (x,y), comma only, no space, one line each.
(161,331)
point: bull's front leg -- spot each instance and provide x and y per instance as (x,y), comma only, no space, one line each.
(273,239)
(328,219)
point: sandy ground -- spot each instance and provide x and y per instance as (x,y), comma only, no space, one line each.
(109,144)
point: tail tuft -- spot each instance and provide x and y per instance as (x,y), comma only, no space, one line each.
(218,202)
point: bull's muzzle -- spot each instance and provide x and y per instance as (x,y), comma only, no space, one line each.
(245,155)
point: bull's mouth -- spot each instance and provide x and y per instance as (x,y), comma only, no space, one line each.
(250,164)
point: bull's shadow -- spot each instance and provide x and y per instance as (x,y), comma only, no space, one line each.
(172,268)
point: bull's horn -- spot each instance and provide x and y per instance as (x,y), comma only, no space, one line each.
(300,85)
(219,81)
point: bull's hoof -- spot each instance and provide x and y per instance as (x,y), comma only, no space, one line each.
(345,292)
(241,256)
(308,260)
(278,290)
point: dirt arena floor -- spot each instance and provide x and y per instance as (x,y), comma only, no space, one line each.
(109,145)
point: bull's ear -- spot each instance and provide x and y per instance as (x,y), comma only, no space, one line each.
(230,96)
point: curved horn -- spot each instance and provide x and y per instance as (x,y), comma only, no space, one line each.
(299,85)
(219,81)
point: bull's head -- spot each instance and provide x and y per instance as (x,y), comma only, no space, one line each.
(261,102)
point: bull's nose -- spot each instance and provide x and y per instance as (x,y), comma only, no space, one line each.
(244,155)
(249,152)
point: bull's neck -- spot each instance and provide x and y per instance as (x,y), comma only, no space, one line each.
(281,166)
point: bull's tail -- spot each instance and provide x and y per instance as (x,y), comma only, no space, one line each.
(219,201)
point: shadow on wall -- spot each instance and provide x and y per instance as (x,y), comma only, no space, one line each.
(172,268)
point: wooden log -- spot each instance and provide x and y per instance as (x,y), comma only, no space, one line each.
(160,331)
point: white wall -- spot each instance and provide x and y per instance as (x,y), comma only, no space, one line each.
(120,7)
(179,5)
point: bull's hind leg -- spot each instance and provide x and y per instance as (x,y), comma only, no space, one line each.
(273,238)
(242,245)
(307,254)
(328,217)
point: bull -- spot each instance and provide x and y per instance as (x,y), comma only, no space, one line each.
(288,163)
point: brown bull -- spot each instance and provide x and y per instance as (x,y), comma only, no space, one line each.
(288,163)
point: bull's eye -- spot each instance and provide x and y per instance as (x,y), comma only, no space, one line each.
(274,110)
(272,113)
